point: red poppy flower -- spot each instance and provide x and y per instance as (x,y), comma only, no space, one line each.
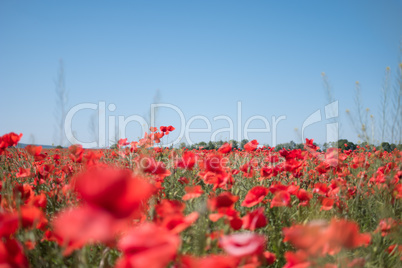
(76,153)
(235,222)
(304,197)
(243,244)
(10,139)
(177,223)
(77,227)
(35,151)
(306,237)
(321,188)
(148,246)
(277,187)
(310,145)
(169,213)
(113,190)
(23,173)
(8,224)
(327,203)
(122,142)
(281,199)
(224,200)
(192,192)
(386,226)
(218,180)
(168,207)
(395,249)
(266,172)
(187,160)
(270,257)
(297,259)
(149,165)
(255,196)
(39,201)
(213,261)
(215,163)
(183,180)
(33,217)
(12,254)
(346,234)
(251,146)
(225,148)
(255,219)
(319,238)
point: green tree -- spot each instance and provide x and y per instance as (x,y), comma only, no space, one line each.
(114,146)
(243,142)
(386,146)
(182,145)
(211,145)
(201,144)
(234,143)
(344,144)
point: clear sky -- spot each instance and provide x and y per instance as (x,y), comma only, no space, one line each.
(203,57)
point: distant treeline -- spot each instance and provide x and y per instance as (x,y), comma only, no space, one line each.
(343,144)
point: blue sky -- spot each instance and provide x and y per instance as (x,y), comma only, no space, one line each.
(200,56)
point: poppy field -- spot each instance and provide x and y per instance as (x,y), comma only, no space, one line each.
(143,205)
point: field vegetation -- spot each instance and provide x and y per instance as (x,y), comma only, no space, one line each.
(143,205)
